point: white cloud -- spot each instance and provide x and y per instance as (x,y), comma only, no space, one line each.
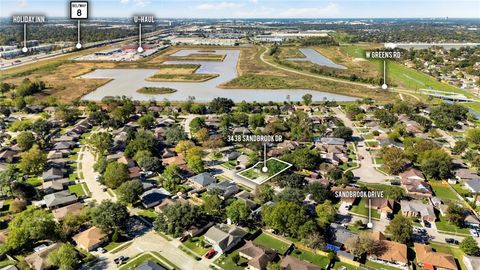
(22,3)
(327,11)
(124,1)
(137,3)
(218,6)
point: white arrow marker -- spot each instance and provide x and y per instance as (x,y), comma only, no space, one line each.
(24,49)
(79,45)
(369,224)
(265,168)
(140,49)
(384,85)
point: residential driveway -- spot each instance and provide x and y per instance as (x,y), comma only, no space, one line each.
(366,172)
(94,186)
(151,241)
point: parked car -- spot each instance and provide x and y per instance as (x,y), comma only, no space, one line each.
(184,238)
(389,216)
(427,224)
(210,253)
(96,177)
(120,259)
(474,232)
(101,250)
(451,241)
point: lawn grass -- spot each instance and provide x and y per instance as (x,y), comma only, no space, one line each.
(443,225)
(444,192)
(182,77)
(312,258)
(229,165)
(361,210)
(461,189)
(34,181)
(138,260)
(271,242)
(113,245)
(372,143)
(77,189)
(6,262)
(148,213)
(455,251)
(380,266)
(195,244)
(225,261)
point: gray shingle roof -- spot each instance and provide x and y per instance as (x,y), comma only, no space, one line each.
(203,179)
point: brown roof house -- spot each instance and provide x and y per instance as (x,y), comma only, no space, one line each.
(38,259)
(90,239)
(429,259)
(292,263)
(393,253)
(413,181)
(61,212)
(258,256)
(383,206)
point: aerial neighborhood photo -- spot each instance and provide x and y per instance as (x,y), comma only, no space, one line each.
(239,134)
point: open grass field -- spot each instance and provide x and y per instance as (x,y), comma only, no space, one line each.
(360,209)
(444,192)
(443,225)
(181,77)
(226,262)
(312,258)
(272,242)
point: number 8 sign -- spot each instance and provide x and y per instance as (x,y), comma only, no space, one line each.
(79,10)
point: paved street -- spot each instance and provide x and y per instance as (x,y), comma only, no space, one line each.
(94,186)
(366,172)
(151,241)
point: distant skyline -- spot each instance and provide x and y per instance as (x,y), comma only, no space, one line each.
(254,8)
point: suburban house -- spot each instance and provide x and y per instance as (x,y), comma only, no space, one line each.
(473,185)
(59,199)
(342,235)
(201,180)
(53,174)
(472,221)
(291,263)
(38,259)
(90,239)
(258,256)
(417,209)
(61,212)
(226,188)
(413,181)
(429,259)
(383,206)
(56,185)
(393,252)
(149,265)
(154,197)
(224,237)
(168,201)
(332,141)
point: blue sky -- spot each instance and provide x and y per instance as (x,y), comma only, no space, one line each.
(255,8)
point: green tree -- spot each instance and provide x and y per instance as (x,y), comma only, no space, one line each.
(115,174)
(436,164)
(171,174)
(174,134)
(238,211)
(64,258)
(144,140)
(100,142)
(343,132)
(307,99)
(109,215)
(285,217)
(394,159)
(212,205)
(455,214)
(176,218)
(130,191)
(473,137)
(28,227)
(25,140)
(264,193)
(400,228)
(146,121)
(32,161)
(196,124)
(470,246)
(221,105)
(326,213)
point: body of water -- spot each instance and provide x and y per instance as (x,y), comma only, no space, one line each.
(126,82)
(316,58)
